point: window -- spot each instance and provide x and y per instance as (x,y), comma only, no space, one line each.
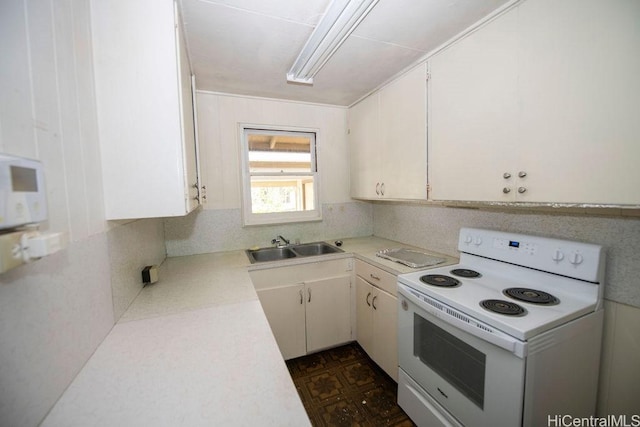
(280,175)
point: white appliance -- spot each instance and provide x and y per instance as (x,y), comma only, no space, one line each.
(22,194)
(23,207)
(510,336)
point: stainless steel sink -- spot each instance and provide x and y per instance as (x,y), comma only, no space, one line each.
(313,249)
(291,251)
(270,254)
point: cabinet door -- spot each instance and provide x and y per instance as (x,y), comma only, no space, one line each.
(144,109)
(364,315)
(403,122)
(328,310)
(385,327)
(187,121)
(364,143)
(473,115)
(285,311)
(579,64)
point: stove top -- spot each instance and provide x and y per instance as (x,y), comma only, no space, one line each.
(500,282)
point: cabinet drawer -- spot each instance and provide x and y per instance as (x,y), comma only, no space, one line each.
(378,277)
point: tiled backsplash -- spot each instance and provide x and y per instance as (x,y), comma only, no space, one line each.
(214,230)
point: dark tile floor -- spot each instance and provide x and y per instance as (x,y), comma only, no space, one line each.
(343,387)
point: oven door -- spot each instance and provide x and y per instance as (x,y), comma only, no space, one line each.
(478,382)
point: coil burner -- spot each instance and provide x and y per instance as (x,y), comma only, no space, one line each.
(503,307)
(466,273)
(440,280)
(532,296)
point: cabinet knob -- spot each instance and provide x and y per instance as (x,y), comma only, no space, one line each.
(522,174)
(506,190)
(521,190)
(506,175)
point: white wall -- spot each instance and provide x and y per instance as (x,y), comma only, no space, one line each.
(218,119)
(55,312)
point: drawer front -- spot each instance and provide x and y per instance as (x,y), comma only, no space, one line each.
(378,277)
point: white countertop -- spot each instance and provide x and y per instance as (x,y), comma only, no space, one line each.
(195,349)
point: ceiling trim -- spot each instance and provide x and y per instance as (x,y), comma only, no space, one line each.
(265,98)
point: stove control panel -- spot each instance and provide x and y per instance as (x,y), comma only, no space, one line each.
(515,245)
(574,259)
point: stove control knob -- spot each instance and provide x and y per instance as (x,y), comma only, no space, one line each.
(557,255)
(576,258)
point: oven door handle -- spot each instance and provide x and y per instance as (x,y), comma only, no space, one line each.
(461,321)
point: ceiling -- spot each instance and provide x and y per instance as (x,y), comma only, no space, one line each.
(246,47)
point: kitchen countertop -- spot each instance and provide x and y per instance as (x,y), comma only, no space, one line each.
(195,349)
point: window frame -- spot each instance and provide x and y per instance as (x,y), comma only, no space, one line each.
(248,217)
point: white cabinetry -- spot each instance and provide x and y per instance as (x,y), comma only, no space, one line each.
(387,136)
(545,95)
(308,306)
(145,109)
(472,115)
(376,316)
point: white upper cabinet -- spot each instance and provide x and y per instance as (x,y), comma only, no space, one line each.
(364,143)
(545,95)
(579,69)
(145,109)
(473,114)
(387,137)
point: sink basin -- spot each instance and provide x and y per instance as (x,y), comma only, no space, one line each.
(291,251)
(270,254)
(312,249)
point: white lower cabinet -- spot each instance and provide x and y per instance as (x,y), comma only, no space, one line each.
(376,317)
(308,306)
(285,310)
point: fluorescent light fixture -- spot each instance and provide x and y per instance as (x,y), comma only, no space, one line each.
(339,21)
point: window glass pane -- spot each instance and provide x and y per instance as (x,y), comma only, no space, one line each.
(281,194)
(275,152)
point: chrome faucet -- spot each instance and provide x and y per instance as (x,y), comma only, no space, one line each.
(280,241)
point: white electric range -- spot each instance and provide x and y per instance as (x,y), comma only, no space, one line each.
(506,337)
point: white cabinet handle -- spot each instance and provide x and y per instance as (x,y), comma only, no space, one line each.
(301,297)
(522,174)
(382,189)
(506,190)
(367,299)
(378,188)
(373,302)
(521,190)
(373,276)
(309,291)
